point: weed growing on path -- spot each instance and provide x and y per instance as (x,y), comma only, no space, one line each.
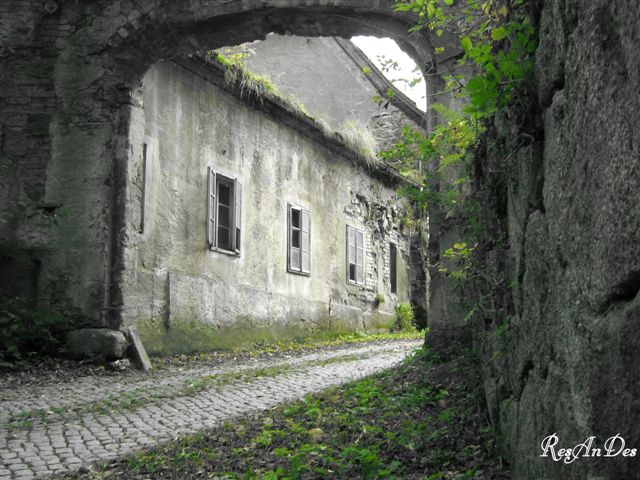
(422,420)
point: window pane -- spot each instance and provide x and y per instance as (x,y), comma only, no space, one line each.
(352,254)
(352,272)
(306,262)
(223,216)
(224,237)
(295,238)
(359,274)
(295,218)
(295,259)
(224,194)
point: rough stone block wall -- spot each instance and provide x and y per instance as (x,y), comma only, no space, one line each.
(28,36)
(387,127)
(565,230)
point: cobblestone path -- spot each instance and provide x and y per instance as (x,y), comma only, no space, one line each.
(53,428)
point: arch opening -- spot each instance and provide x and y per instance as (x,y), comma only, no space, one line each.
(99,103)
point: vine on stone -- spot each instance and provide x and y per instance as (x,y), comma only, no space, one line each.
(496,48)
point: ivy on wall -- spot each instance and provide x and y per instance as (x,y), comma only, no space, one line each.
(491,77)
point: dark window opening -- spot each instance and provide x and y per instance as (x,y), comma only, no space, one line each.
(225,242)
(393,273)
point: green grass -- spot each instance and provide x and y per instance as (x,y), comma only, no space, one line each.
(321,339)
(423,420)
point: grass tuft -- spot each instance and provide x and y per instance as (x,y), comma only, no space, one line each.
(354,137)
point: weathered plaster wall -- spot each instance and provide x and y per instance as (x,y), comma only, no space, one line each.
(319,73)
(565,231)
(326,75)
(173,280)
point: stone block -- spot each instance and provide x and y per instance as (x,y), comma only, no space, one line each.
(101,343)
(137,350)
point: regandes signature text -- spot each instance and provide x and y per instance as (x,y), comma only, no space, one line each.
(613,447)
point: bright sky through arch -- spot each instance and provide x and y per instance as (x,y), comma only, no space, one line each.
(378,49)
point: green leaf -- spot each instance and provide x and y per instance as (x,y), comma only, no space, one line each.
(498,33)
(466,44)
(448,2)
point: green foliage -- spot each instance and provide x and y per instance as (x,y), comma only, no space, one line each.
(378,300)
(458,257)
(498,47)
(405,321)
(498,43)
(27,331)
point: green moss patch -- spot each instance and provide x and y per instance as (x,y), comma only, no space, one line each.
(191,337)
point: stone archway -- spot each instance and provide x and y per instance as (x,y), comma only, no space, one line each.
(104,50)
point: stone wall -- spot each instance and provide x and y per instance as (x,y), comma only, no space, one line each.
(176,288)
(563,237)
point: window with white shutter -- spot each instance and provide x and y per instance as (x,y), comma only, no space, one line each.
(299,240)
(355,255)
(211,209)
(224,213)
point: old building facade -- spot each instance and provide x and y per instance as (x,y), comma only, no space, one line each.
(245,224)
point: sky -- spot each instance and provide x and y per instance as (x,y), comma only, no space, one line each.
(379,49)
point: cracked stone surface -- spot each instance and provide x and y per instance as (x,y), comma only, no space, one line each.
(57,427)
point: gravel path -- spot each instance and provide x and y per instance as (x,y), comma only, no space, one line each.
(57,427)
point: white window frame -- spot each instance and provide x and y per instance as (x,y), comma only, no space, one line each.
(353,247)
(302,268)
(235,212)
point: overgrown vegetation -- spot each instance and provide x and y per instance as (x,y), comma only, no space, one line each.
(259,87)
(143,397)
(26,331)
(308,341)
(423,420)
(496,50)
(405,319)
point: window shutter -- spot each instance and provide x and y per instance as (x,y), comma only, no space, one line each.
(351,254)
(237,217)
(294,252)
(306,241)
(211,208)
(351,245)
(359,257)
